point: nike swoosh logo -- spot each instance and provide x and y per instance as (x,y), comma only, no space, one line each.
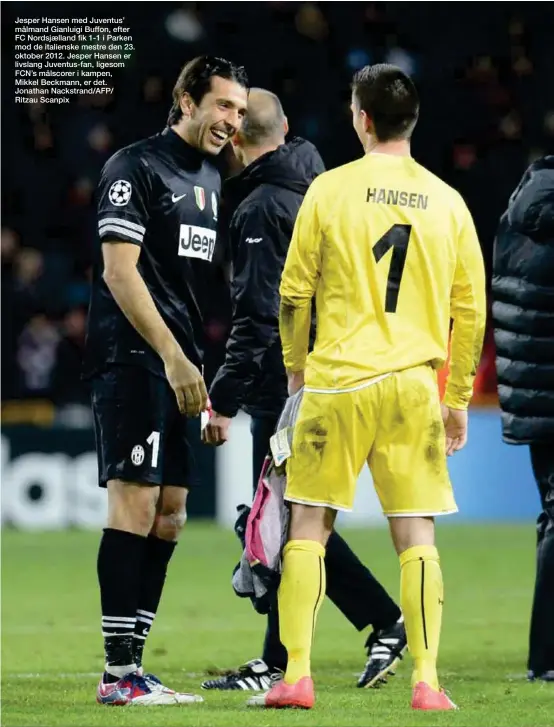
(176,199)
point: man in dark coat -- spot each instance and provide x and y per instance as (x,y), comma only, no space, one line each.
(523,314)
(260,207)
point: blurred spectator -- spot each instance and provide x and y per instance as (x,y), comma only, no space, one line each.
(100,140)
(81,193)
(397,55)
(10,244)
(36,357)
(153,113)
(183,24)
(311,22)
(9,247)
(28,290)
(69,393)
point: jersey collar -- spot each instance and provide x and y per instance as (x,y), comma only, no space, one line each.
(181,149)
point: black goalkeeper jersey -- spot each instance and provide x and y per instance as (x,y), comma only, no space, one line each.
(163,195)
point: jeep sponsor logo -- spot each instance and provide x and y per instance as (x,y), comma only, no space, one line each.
(196,242)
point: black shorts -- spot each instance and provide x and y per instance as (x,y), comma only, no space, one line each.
(140,434)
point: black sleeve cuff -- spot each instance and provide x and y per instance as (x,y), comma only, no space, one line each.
(222,399)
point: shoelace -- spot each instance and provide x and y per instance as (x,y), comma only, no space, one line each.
(151,678)
(141,682)
(155,684)
(374,641)
(241,673)
(244,669)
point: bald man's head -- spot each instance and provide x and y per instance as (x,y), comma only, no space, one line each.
(265,121)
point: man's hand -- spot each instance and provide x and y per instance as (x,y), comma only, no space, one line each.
(187,383)
(455,427)
(295,381)
(216,431)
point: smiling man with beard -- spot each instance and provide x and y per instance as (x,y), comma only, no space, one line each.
(157,212)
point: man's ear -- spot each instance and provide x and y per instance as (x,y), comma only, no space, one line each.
(367,122)
(286,126)
(187,105)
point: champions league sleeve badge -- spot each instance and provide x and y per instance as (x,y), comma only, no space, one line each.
(120,193)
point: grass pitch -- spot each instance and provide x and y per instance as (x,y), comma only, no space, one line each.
(52,648)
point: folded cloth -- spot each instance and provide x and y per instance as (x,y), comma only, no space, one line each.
(265,533)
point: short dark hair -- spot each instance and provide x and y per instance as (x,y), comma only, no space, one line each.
(390,99)
(196,80)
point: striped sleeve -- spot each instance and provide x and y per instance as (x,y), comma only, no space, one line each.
(123,199)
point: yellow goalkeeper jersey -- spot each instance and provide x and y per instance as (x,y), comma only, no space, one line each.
(391,254)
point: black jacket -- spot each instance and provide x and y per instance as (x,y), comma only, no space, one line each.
(523,308)
(261,204)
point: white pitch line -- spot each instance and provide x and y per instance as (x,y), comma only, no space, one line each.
(43,675)
(77,675)
(33,629)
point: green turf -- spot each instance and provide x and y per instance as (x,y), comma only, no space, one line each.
(50,628)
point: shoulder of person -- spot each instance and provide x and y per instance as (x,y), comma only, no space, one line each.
(265,201)
(531,206)
(130,159)
(448,197)
(326,184)
(537,179)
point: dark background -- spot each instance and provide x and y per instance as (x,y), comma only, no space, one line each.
(485,72)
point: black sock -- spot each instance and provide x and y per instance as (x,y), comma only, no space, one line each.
(274,653)
(354,589)
(119,565)
(156,557)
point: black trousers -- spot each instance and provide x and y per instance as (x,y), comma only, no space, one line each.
(350,585)
(541,637)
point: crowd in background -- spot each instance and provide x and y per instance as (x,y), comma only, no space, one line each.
(483,71)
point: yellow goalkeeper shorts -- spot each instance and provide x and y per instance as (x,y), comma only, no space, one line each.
(394,424)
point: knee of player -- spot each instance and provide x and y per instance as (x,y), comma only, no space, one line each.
(311,523)
(169,524)
(410,532)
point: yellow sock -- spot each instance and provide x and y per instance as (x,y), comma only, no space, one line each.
(421,599)
(301,593)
